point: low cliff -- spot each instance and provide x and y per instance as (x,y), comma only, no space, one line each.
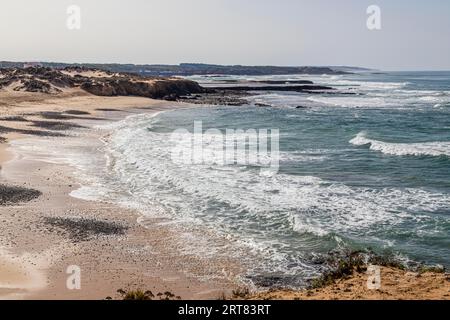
(97,82)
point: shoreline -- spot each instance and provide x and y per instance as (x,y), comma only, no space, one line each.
(139,259)
(43,237)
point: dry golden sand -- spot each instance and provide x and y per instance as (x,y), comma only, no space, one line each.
(16,102)
(395,285)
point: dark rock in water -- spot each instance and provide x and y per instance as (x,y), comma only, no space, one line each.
(258,104)
(350,93)
(301,107)
(229,98)
(189,97)
(10,195)
(303,88)
(83,229)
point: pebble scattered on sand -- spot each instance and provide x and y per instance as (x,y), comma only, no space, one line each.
(11,195)
(83,229)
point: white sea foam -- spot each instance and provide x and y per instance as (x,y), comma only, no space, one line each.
(240,197)
(437,148)
(142,175)
(353,101)
(232,200)
(307,225)
(372,95)
(400,99)
(370,85)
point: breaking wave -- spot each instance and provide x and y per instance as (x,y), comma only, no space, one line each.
(438,148)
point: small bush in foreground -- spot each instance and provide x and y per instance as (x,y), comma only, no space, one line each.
(146,295)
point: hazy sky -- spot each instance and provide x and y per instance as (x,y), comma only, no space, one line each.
(415,34)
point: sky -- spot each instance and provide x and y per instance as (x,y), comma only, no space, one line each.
(414,34)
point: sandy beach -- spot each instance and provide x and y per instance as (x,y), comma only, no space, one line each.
(35,254)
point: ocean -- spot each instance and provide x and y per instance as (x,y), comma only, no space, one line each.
(369,169)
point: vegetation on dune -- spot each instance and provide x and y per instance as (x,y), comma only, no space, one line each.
(145,295)
(342,266)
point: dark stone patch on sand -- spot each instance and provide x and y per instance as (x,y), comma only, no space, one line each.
(14,119)
(56,125)
(76,112)
(3,140)
(84,229)
(10,195)
(263,105)
(108,109)
(53,115)
(4,129)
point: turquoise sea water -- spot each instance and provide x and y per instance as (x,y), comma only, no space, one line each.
(356,171)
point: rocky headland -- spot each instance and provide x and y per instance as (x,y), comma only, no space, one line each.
(96,82)
(109,84)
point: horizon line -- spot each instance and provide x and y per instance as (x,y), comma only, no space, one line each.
(218,64)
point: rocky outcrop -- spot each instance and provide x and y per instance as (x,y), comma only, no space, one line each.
(105,83)
(46,80)
(158,89)
(33,85)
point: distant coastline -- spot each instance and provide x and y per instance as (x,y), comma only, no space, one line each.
(188,69)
